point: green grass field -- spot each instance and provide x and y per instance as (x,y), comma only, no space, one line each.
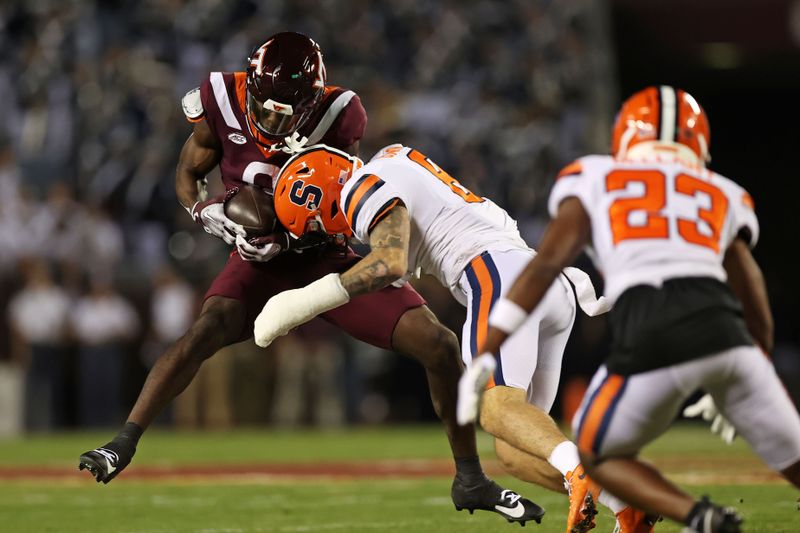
(201,482)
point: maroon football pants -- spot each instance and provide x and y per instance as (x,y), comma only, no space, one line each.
(370,317)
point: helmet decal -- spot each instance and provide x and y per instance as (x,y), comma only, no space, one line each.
(308,188)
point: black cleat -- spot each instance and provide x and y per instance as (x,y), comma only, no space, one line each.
(489,496)
(706,517)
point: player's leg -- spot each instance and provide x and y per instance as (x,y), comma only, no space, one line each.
(232,301)
(396,318)
(744,394)
(514,406)
(420,336)
(222,321)
(527,467)
(530,366)
(619,415)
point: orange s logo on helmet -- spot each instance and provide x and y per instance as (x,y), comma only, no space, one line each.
(308,189)
(660,120)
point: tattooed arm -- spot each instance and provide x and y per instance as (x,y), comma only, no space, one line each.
(388,260)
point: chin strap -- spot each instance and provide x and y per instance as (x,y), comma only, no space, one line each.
(294,143)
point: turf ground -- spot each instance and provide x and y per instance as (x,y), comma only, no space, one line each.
(386,479)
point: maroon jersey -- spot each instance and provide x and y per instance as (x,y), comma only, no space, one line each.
(338,121)
(247,156)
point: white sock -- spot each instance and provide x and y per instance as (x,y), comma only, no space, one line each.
(564,457)
(612,502)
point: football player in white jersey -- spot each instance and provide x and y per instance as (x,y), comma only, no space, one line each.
(673,240)
(416,216)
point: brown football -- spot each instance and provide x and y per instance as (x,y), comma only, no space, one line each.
(253,208)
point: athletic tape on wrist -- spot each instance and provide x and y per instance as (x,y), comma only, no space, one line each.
(507,316)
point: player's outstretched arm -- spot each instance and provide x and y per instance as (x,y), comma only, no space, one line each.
(199,155)
(388,259)
(561,244)
(383,265)
(747,282)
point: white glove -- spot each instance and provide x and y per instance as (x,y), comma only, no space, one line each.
(706,408)
(471,386)
(212,217)
(289,309)
(261,249)
(585,293)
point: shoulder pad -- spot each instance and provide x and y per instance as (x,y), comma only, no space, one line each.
(192,105)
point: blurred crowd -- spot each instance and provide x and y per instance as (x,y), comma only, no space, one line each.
(100,267)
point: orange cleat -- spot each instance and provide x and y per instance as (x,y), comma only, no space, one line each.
(583,493)
(631,520)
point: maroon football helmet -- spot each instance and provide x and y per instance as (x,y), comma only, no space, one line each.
(285,82)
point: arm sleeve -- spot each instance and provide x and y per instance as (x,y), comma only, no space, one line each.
(571,181)
(366,202)
(348,127)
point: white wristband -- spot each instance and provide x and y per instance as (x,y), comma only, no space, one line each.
(325,294)
(507,316)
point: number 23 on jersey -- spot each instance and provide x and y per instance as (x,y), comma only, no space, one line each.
(653,202)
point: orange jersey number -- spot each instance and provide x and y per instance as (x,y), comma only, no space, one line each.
(652,202)
(444,177)
(714,216)
(656,225)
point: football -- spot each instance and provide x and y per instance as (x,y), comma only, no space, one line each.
(253,208)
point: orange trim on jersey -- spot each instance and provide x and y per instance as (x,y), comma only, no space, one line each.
(596,412)
(356,195)
(573,169)
(380,216)
(747,201)
(201,118)
(240,88)
(484,306)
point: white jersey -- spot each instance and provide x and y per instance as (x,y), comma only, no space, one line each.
(654,221)
(450,225)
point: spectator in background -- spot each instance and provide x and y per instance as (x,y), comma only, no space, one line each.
(38,316)
(102,321)
(172,308)
(307,382)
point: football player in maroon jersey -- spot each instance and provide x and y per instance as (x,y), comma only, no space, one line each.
(249,123)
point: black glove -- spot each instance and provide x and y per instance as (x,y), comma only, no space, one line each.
(107,461)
